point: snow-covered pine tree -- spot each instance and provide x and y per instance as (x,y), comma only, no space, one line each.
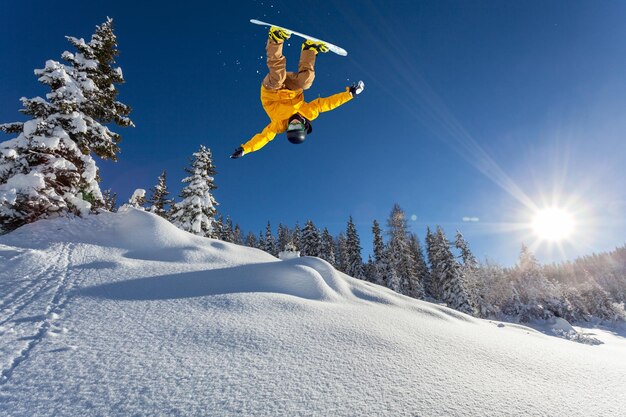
(433,286)
(196,212)
(469,260)
(400,256)
(539,297)
(450,276)
(251,240)
(110,199)
(138,199)
(158,202)
(381,273)
(354,261)
(261,241)
(420,274)
(238,235)
(218,227)
(296,237)
(310,242)
(270,241)
(228,231)
(598,302)
(341,253)
(369,269)
(283,237)
(327,250)
(48,169)
(96,60)
(393,280)
(470,269)
(493,289)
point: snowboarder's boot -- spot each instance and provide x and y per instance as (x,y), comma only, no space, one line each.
(278,35)
(316,46)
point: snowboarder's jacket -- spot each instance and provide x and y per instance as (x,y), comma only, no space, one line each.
(281,104)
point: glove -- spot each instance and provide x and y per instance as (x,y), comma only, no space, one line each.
(357,88)
(239,152)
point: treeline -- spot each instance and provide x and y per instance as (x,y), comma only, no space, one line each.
(444,271)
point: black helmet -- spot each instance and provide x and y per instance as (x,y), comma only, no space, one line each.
(298,128)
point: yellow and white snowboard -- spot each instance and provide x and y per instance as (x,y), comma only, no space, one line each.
(333,48)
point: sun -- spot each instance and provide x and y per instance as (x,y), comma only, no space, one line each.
(553,224)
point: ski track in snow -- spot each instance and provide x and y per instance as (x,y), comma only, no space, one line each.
(50,290)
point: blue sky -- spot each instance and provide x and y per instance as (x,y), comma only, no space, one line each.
(486,110)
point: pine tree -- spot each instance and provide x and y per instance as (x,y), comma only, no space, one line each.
(310,242)
(341,253)
(418,266)
(218,227)
(110,199)
(238,235)
(369,269)
(196,212)
(354,261)
(433,286)
(158,201)
(380,273)
(539,298)
(251,240)
(228,232)
(138,199)
(470,269)
(296,237)
(327,249)
(283,237)
(48,169)
(95,61)
(467,256)
(450,276)
(400,256)
(270,241)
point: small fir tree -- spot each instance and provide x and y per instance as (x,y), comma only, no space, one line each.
(270,241)
(341,253)
(296,237)
(251,240)
(283,236)
(418,266)
(238,235)
(468,258)
(138,199)
(381,273)
(310,242)
(400,256)
(109,198)
(196,212)
(450,276)
(327,248)
(158,202)
(354,261)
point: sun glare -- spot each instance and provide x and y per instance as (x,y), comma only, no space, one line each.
(553,224)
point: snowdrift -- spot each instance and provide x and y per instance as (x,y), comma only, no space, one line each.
(123,314)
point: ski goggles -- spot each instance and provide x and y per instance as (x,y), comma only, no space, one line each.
(296,125)
(299,123)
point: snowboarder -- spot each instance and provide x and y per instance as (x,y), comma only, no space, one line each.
(282,94)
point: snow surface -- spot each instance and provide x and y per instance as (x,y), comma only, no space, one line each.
(125,315)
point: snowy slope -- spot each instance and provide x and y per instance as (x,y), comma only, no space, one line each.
(123,314)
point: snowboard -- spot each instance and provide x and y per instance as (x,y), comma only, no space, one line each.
(333,48)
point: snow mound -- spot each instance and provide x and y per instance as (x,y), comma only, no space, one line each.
(124,314)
